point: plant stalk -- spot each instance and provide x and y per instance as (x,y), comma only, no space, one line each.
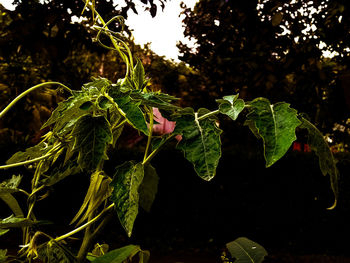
(20,96)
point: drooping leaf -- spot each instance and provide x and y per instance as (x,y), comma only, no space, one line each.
(99,190)
(276,125)
(3,232)
(125,195)
(12,203)
(144,256)
(200,143)
(91,137)
(155,99)
(60,172)
(138,75)
(327,162)
(131,110)
(148,188)
(30,153)
(119,255)
(231,106)
(13,221)
(3,252)
(11,185)
(246,251)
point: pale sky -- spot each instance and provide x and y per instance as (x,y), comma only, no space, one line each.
(163,31)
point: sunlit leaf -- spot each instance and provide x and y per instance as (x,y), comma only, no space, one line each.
(200,143)
(138,75)
(231,106)
(91,135)
(125,195)
(30,153)
(327,162)
(246,251)
(275,124)
(148,188)
(119,255)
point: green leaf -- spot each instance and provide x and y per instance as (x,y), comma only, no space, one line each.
(86,105)
(138,75)
(200,143)
(148,188)
(97,86)
(31,153)
(275,124)
(13,221)
(3,256)
(246,251)
(231,106)
(11,185)
(55,252)
(119,255)
(60,172)
(3,232)
(155,99)
(104,103)
(67,113)
(91,137)
(12,203)
(132,111)
(125,195)
(327,162)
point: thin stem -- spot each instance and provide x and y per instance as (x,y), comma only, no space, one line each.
(85,225)
(28,91)
(208,115)
(26,162)
(152,154)
(150,135)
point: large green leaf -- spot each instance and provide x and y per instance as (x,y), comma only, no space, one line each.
(125,195)
(91,137)
(246,251)
(130,108)
(13,221)
(55,252)
(148,188)
(119,255)
(12,203)
(231,106)
(200,142)
(327,162)
(275,124)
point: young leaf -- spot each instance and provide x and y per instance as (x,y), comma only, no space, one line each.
(148,188)
(97,86)
(125,195)
(91,137)
(200,143)
(119,255)
(138,75)
(327,162)
(276,125)
(231,106)
(246,251)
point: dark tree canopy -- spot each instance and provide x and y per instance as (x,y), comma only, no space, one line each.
(273,49)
